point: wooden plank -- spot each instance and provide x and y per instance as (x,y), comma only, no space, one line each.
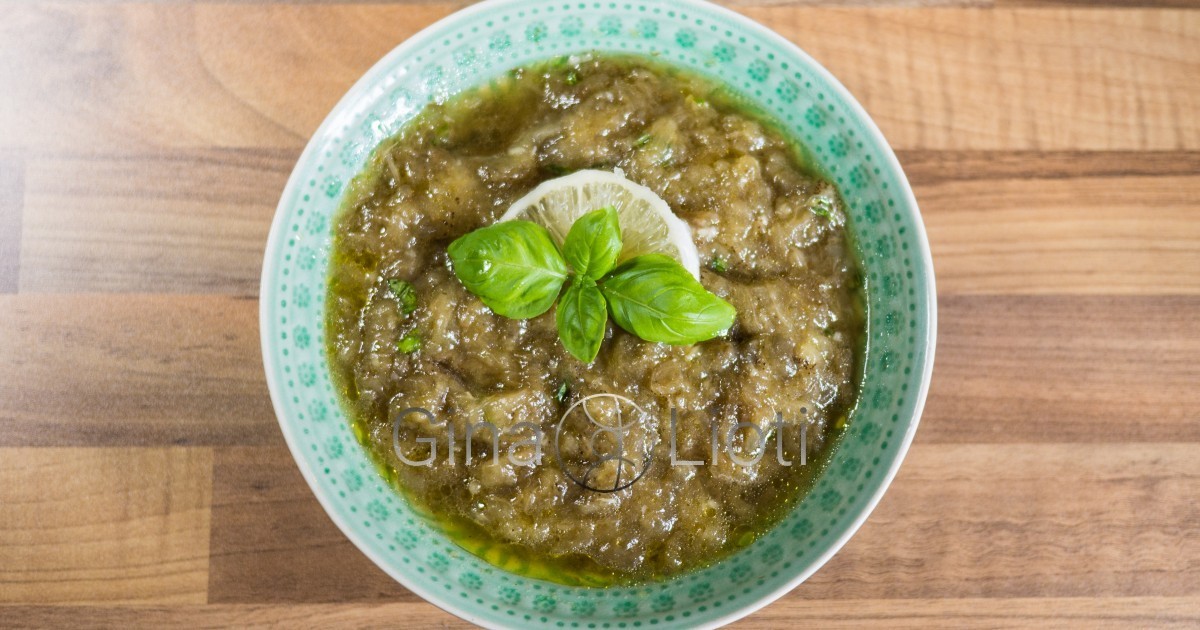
(203,75)
(921,614)
(927,168)
(1100,234)
(96,76)
(1012,79)
(272,542)
(189,220)
(960,521)
(12,200)
(857,4)
(1028,520)
(179,222)
(915,614)
(131,370)
(160,370)
(1055,369)
(1116,4)
(102,76)
(362,616)
(118,526)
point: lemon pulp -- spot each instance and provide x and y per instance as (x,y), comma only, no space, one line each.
(647,223)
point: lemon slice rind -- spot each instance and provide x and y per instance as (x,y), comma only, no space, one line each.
(647,223)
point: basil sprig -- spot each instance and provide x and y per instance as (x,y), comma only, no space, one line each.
(518,272)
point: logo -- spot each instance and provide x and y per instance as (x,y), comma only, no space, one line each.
(604,442)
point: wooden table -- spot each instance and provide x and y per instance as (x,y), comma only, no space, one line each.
(1055,151)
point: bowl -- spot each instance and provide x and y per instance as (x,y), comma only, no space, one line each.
(481,42)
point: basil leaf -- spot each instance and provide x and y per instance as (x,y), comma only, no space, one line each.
(562,392)
(593,243)
(655,298)
(514,267)
(582,318)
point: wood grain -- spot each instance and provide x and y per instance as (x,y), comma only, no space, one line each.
(163,370)
(150,222)
(1051,520)
(1054,147)
(1101,234)
(1127,526)
(927,168)
(131,370)
(12,202)
(859,4)
(1057,369)
(122,525)
(187,220)
(1123,4)
(272,542)
(95,77)
(1040,612)
(1012,79)
(915,614)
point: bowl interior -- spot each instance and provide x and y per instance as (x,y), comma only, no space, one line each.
(482,42)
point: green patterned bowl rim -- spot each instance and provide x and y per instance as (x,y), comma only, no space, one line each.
(482,41)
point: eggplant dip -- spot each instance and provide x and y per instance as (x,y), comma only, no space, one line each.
(584,244)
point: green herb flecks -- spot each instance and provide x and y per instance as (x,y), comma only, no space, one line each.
(643,140)
(409,343)
(718,264)
(821,206)
(562,392)
(404,293)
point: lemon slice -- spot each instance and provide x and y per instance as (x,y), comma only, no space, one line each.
(647,223)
